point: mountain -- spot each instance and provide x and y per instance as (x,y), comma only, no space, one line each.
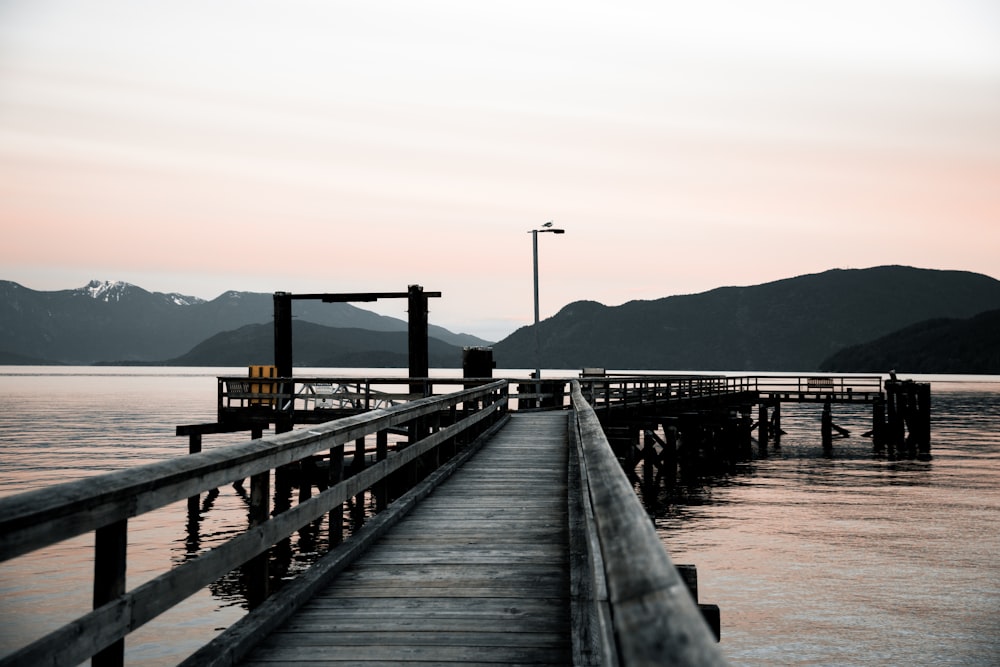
(786,325)
(105,321)
(318,346)
(943,345)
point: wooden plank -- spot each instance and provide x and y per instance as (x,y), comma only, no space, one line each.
(455,537)
(544,578)
(410,637)
(457,622)
(397,655)
(485,554)
(557,596)
(488,607)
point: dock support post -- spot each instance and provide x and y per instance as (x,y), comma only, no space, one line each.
(283,334)
(648,456)
(895,410)
(743,424)
(776,423)
(878,424)
(921,425)
(710,612)
(762,425)
(255,570)
(109,582)
(826,427)
(632,451)
(283,359)
(417,303)
(909,419)
(670,454)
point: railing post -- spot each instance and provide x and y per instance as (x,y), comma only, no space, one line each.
(194,446)
(110,544)
(381,453)
(335,474)
(358,465)
(255,570)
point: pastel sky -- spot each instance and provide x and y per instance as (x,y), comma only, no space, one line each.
(327,146)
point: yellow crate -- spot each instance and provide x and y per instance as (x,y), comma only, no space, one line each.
(263,387)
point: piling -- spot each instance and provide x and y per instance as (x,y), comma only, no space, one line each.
(826,427)
(762,426)
(775,429)
(908,407)
(878,424)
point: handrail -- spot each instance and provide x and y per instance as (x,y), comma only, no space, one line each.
(819,383)
(609,391)
(655,619)
(36,519)
(240,396)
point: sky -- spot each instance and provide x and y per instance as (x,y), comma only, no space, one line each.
(200,147)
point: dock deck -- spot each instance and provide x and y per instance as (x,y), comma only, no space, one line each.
(477,573)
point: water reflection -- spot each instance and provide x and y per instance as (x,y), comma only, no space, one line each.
(285,560)
(850,556)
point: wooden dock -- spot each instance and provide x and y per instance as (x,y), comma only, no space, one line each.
(497,538)
(477,573)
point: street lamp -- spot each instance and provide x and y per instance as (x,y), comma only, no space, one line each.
(547,227)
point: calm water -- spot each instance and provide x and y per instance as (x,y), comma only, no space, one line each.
(852,559)
(846,559)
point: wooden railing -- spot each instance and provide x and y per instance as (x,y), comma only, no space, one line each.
(104,504)
(243,397)
(829,385)
(607,392)
(631,605)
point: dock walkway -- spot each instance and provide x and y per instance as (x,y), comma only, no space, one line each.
(477,573)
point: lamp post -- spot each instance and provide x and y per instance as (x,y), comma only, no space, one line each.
(547,227)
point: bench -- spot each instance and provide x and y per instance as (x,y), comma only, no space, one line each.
(819,383)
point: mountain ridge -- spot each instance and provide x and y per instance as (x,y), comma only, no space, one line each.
(791,324)
(114,320)
(318,346)
(940,345)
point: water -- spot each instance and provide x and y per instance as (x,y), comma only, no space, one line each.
(847,559)
(853,559)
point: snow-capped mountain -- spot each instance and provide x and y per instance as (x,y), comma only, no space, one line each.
(118,290)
